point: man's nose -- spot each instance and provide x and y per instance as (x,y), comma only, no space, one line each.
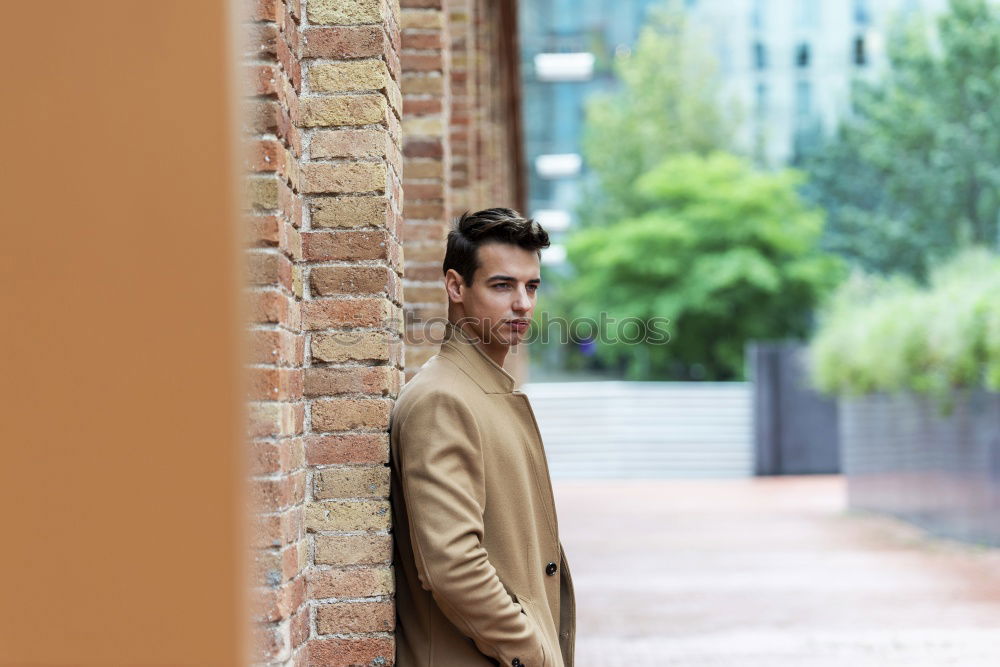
(522,302)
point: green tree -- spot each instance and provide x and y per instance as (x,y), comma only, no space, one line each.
(915,174)
(668,101)
(724,252)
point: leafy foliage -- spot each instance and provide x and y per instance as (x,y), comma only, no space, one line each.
(915,174)
(890,334)
(667,103)
(724,252)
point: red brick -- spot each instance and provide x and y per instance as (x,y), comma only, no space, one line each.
(344,177)
(359,582)
(276,530)
(331,381)
(422,272)
(428,40)
(352,652)
(344,42)
(422,62)
(274,346)
(355,280)
(272,495)
(261,40)
(268,306)
(421,191)
(299,630)
(267,643)
(423,106)
(342,617)
(261,230)
(274,384)
(346,245)
(261,268)
(349,143)
(424,148)
(320,314)
(423,210)
(265,10)
(274,604)
(260,79)
(272,456)
(289,63)
(264,155)
(260,116)
(347,448)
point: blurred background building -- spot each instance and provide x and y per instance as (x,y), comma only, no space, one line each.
(787,64)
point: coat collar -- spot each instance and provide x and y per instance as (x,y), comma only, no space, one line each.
(459,348)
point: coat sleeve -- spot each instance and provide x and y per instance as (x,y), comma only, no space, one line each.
(443,484)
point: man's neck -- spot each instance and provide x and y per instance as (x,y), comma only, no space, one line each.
(497,352)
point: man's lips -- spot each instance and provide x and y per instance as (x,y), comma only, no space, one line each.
(520,325)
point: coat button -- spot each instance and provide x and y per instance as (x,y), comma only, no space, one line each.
(516,662)
(550,569)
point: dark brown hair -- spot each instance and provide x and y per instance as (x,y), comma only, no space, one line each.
(491,225)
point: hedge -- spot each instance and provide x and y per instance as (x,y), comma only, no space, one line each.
(889,334)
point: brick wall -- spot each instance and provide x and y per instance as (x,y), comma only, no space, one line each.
(347,106)
(426,162)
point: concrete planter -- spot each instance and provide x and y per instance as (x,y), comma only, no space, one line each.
(902,457)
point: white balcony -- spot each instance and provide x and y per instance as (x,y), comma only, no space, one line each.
(564,66)
(554,254)
(558,165)
(552,219)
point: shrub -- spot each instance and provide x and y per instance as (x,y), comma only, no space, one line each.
(879,334)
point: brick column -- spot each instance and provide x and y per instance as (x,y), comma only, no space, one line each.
(353,313)
(462,36)
(324,130)
(426,150)
(274,284)
(326,198)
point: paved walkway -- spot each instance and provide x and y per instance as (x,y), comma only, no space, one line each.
(768,572)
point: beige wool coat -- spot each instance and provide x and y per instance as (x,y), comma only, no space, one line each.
(481,577)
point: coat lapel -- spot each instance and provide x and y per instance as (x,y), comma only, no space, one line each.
(459,348)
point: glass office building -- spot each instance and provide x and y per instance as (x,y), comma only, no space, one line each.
(789,63)
(566,52)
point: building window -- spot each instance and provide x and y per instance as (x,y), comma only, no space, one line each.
(725,56)
(860,54)
(862,13)
(760,106)
(759,55)
(808,13)
(802,54)
(803,99)
(757,14)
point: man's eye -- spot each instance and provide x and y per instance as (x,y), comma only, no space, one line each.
(533,287)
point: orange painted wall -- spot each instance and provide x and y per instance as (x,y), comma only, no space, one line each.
(122,464)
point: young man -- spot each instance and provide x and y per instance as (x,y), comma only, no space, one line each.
(481,578)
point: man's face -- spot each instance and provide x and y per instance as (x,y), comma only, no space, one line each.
(499,303)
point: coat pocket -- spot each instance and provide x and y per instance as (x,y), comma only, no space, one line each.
(528,609)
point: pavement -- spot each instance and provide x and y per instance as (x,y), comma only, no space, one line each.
(768,572)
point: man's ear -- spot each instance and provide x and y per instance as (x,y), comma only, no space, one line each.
(453,285)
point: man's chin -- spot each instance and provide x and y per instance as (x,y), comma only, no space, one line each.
(504,339)
(513,339)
